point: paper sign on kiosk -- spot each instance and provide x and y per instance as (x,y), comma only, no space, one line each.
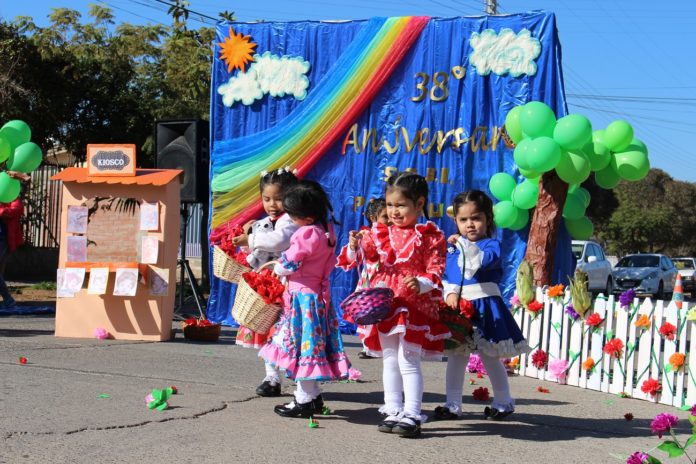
(111,159)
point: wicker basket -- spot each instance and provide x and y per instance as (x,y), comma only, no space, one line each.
(226,268)
(251,311)
(204,333)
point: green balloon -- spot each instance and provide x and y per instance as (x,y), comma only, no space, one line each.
(573,168)
(607,178)
(5,149)
(631,165)
(9,188)
(504,214)
(618,135)
(21,127)
(525,195)
(15,132)
(598,136)
(544,154)
(598,154)
(574,207)
(27,157)
(572,132)
(512,124)
(521,221)
(580,229)
(501,186)
(521,153)
(529,174)
(586,197)
(537,120)
(637,145)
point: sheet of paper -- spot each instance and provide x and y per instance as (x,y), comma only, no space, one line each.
(73,279)
(159,281)
(149,250)
(126,282)
(77,248)
(77,219)
(98,280)
(61,292)
(149,216)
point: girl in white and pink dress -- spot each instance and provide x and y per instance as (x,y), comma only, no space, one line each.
(266,240)
(307,342)
(410,259)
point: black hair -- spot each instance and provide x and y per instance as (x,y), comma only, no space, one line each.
(283,178)
(307,198)
(483,203)
(413,186)
(373,208)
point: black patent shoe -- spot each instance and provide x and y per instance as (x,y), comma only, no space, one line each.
(444,413)
(318,405)
(495,414)
(388,424)
(268,389)
(408,427)
(293,409)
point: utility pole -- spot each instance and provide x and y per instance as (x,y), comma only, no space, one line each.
(491,7)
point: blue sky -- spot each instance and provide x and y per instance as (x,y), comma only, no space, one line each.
(624,59)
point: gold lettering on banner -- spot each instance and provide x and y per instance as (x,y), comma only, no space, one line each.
(430,175)
(423,146)
(436,213)
(390,171)
(444,175)
(358,202)
(351,139)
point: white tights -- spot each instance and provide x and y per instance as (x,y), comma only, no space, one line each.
(306,391)
(401,373)
(454,381)
(272,374)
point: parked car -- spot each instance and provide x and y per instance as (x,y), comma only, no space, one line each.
(687,270)
(593,261)
(652,274)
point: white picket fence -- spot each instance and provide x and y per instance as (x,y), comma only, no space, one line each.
(646,353)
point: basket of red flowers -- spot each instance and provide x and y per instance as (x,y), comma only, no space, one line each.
(201,330)
(257,304)
(459,321)
(229,263)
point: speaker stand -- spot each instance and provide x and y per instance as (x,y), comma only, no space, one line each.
(184,268)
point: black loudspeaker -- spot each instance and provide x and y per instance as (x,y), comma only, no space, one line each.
(183,144)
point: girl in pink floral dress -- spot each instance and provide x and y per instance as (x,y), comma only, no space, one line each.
(411,260)
(307,342)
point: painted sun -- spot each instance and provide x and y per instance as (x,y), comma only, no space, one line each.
(237,51)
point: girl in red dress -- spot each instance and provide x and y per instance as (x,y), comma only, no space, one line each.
(410,259)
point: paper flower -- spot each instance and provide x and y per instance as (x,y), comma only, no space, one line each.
(101,333)
(22,360)
(691,315)
(543,390)
(466,308)
(535,308)
(539,359)
(594,321)
(626,298)
(570,311)
(266,285)
(643,322)
(556,291)
(628,416)
(174,390)
(481,394)
(589,364)
(158,399)
(475,364)
(313,423)
(638,458)
(662,423)
(233,251)
(354,374)
(668,331)
(557,368)
(614,347)
(676,361)
(514,363)
(515,301)
(651,387)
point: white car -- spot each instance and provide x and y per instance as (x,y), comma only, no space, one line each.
(592,260)
(652,274)
(687,270)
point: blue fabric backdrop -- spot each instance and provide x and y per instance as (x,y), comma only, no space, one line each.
(474,100)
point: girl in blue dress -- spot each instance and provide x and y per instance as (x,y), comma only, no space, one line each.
(472,272)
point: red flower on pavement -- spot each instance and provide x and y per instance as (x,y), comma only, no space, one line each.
(594,320)
(543,390)
(614,347)
(539,359)
(628,416)
(651,387)
(22,360)
(668,330)
(481,394)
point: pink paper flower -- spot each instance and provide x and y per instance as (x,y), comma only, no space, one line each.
(638,458)
(557,368)
(149,398)
(354,374)
(515,300)
(476,365)
(101,333)
(662,423)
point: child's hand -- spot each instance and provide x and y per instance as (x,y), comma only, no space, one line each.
(412,284)
(452,239)
(241,240)
(452,300)
(354,238)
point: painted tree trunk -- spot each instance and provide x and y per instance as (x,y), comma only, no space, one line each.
(544,227)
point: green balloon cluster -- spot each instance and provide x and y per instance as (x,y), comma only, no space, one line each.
(570,147)
(17,153)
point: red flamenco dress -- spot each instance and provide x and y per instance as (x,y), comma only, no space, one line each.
(397,253)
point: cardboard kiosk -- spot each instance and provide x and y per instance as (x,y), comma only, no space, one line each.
(118,248)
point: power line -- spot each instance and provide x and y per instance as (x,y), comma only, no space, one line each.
(188,10)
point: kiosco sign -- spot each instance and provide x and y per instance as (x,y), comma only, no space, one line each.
(111,160)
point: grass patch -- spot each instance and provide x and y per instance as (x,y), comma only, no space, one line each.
(43,286)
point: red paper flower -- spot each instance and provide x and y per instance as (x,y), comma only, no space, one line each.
(628,416)
(266,285)
(481,394)
(22,360)
(614,347)
(535,307)
(466,309)
(542,390)
(228,246)
(668,331)
(651,387)
(174,390)
(539,359)
(594,320)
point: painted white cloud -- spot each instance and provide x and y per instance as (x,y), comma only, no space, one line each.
(503,53)
(270,74)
